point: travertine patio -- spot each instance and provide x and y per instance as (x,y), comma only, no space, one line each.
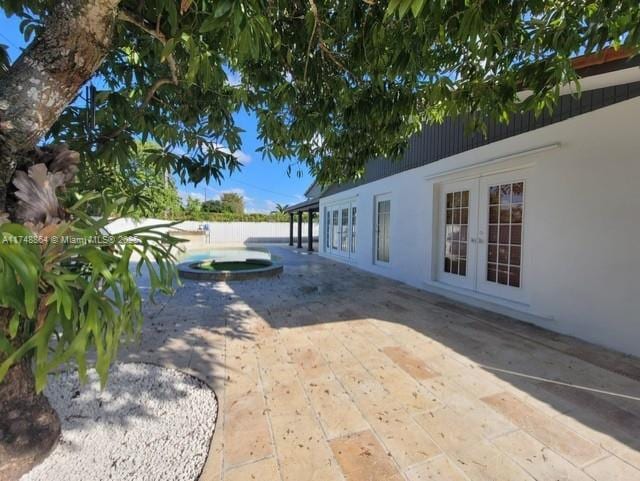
(329,373)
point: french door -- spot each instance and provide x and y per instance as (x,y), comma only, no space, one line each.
(458,221)
(482,233)
(341,229)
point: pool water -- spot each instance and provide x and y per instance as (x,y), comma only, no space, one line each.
(231,254)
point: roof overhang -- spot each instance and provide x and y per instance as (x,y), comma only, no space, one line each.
(305,206)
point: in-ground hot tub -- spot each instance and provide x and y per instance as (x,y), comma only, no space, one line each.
(228,264)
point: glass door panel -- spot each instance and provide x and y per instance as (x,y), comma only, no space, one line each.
(344,230)
(383,220)
(457,254)
(335,232)
(501,251)
(354,217)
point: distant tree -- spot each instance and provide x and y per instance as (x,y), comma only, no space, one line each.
(212,206)
(148,190)
(232,202)
(280,208)
(193,208)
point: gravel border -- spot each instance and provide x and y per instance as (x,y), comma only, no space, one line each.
(149,423)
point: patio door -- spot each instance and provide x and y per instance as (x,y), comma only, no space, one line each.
(458,226)
(341,229)
(482,233)
(501,252)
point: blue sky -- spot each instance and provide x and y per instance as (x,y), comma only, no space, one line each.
(263,183)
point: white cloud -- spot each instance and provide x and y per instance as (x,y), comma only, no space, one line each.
(218,192)
(242,157)
(258,206)
(184,195)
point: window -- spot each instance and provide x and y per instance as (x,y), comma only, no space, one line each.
(383,214)
(456,233)
(504,247)
(327,233)
(335,231)
(353,228)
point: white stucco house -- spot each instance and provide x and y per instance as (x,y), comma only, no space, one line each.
(540,220)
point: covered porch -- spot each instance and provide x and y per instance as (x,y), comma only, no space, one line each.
(310,207)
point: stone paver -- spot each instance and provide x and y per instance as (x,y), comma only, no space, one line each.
(329,373)
(264,470)
(613,469)
(553,434)
(362,458)
(537,459)
(437,469)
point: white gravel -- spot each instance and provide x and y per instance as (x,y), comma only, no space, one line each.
(150,423)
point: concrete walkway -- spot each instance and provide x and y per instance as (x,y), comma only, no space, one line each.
(329,373)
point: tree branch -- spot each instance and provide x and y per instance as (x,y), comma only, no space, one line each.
(141,23)
(316,21)
(317,29)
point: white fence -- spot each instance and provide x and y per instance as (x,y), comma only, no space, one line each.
(224,232)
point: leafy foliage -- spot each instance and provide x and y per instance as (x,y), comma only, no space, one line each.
(232,202)
(147,190)
(70,289)
(333,84)
(192,208)
(212,206)
(281,208)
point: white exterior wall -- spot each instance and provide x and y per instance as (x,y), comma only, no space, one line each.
(581,262)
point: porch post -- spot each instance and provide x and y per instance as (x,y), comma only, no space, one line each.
(291,228)
(299,229)
(310,231)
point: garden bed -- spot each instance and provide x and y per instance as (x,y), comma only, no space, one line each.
(148,423)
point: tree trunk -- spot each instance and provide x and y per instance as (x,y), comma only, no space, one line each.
(47,76)
(33,93)
(29,427)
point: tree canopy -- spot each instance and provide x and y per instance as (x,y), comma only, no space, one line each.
(333,84)
(232,202)
(147,191)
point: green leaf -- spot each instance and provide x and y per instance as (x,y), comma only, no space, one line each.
(392,7)
(417,6)
(222,7)
(14,324)
(5,345)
